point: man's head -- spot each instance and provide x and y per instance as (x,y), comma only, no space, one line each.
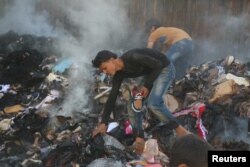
(189,151)
(151,25)
(104,60)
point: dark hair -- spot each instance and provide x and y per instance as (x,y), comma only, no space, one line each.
(152,23)
(190,150)
(101,57)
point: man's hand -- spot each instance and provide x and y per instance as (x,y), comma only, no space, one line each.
(101,128)
(144,91)
(139,145)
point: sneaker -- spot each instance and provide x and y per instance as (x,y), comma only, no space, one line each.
(137,100)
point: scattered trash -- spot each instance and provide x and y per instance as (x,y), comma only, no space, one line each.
(62,65)
(13,109)
(212,101)
(237,80)
(5,125)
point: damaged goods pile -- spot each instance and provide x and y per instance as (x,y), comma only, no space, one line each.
(212,100)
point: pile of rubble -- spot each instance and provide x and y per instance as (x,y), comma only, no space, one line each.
(217,93)
(211,100)
(33,86)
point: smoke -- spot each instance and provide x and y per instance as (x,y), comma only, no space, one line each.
(227,34)
(98,25)
(81,27)
(237,129)
(21,17)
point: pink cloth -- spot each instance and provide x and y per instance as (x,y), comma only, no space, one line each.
(196,111)
(128,128)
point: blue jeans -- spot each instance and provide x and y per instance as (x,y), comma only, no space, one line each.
(180,54)
(155,102)
(156,97)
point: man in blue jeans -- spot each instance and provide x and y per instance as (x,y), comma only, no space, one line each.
(159,73)
(173,42)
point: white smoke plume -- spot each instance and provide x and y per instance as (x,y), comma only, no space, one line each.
(238,130)
(227,35)
(21,17)
(82,28)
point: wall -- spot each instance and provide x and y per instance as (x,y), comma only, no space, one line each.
(219,27)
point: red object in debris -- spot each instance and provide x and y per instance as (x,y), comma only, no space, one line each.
(202,131)
(128,128)
(135,91)
(196,111)
(201,107)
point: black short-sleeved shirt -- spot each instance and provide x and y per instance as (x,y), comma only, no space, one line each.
(137,62)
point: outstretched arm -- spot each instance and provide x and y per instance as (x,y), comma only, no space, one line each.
(109,106)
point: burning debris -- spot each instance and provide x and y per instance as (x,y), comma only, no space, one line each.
(212,100)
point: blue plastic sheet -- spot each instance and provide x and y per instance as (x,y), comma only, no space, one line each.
(62,65)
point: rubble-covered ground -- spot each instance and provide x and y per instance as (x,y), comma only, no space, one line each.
(212,100)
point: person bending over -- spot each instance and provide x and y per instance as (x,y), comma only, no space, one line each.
(159,73)
(174,42)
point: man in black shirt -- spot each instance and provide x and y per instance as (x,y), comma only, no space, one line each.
(159,73)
